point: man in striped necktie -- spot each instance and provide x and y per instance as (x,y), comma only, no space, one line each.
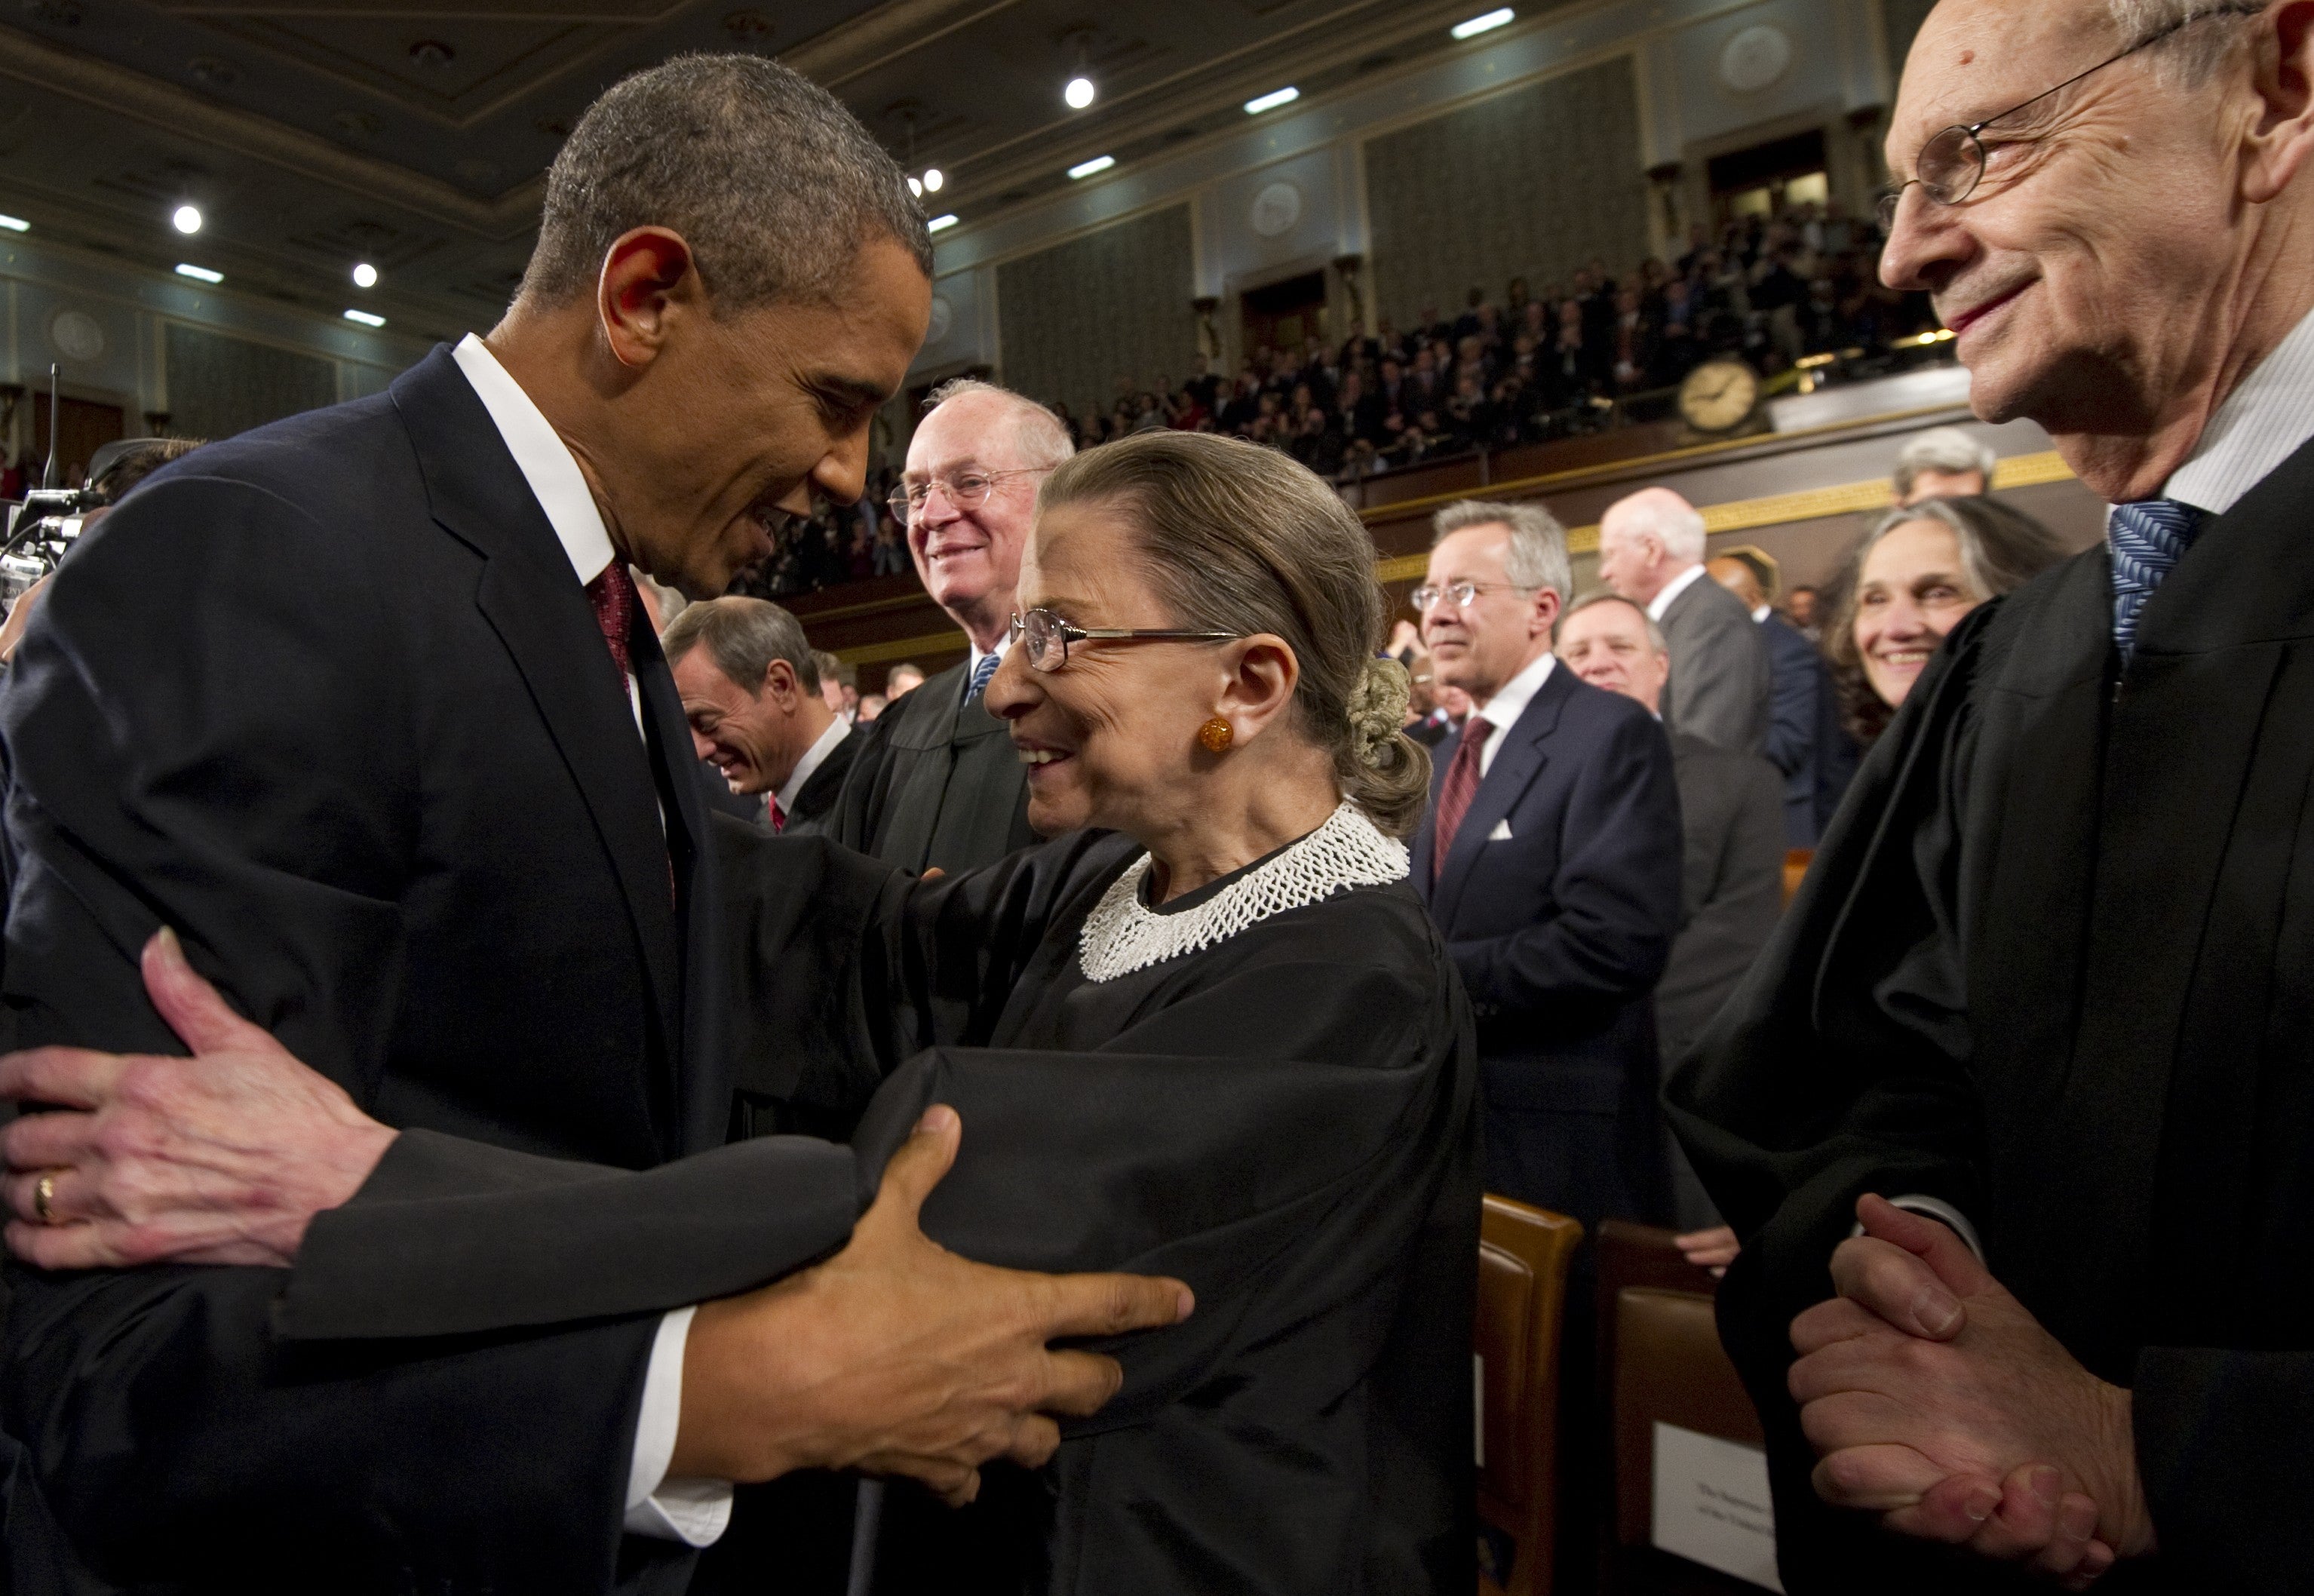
(937,784)
(2047,986)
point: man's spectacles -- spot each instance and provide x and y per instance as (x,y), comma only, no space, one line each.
(966,491)
(1462,593)
(1045,637)
(1951,163)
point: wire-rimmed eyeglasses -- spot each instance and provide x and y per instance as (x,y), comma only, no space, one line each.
(1046,638)
(966,491)
(1951,163)
(1461,593)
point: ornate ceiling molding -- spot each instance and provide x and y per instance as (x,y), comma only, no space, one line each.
(180,113)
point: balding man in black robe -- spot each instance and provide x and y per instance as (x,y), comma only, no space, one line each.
(2052,982)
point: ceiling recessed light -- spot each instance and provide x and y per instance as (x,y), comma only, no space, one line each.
(364,275)
(15,223)
(935,180)
(941,223)
(1098,164)
(1485,25)
(188,218)
(915,188)
(1080,93)
(366,318)
(1272,101)
(200,273)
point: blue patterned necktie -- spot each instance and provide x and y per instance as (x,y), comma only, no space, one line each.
(2146,539)
(980,675)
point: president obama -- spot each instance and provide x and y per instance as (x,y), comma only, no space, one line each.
(360,705)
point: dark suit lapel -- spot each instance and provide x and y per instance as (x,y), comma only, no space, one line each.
(533,600)
(1525,752)
(703,1075)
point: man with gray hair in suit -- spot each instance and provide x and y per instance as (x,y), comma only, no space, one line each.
(1943,463)
(1651,553)
(751,690)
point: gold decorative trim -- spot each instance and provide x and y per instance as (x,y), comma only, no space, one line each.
(1782,510)
(1528,485)
(939,643)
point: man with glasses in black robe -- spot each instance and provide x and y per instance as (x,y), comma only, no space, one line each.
(2050,984)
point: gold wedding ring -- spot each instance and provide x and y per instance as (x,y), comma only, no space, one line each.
(44,1192)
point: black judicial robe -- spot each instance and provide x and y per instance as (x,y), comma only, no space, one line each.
(2055,965)
(934,784)
(1282,1120)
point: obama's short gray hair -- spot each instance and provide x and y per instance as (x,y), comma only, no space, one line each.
(1536,558)
(772,183)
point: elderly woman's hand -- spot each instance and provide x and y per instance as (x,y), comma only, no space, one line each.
(222,1157)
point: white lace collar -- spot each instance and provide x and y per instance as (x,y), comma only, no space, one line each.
(1122,934)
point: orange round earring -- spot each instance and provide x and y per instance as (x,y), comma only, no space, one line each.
(1216,736)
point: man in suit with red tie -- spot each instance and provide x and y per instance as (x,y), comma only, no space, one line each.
(362,705)
(1551,860)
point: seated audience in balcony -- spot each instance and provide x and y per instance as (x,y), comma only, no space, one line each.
(1943,463)
(1912,579)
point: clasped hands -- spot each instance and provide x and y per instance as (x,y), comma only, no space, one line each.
(894,1356)
(1939,1403)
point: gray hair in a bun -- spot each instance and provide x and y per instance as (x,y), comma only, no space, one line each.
(1243,540)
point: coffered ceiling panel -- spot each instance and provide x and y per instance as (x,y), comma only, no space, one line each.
(316,133)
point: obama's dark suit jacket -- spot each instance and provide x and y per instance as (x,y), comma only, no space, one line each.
(328,699)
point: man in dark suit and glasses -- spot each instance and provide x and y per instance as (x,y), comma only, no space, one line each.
(1550,858)
(360,704)
(2050,981)
(937,784)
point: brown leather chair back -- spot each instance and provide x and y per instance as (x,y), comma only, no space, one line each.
(1523,1254)
(1660,1352)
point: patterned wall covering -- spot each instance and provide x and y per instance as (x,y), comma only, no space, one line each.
(1529,183)
(1074,318)
(220,386)
(1900,20)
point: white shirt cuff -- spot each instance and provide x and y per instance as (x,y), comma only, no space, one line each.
(1936,1208)
(695,1511)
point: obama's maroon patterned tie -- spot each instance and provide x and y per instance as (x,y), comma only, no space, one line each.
(613,594)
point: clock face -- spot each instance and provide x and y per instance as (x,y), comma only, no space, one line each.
(1718,396)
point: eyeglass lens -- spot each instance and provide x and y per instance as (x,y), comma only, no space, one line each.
(1042,640)
(967,492)
(1949,167)
(1461,593)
